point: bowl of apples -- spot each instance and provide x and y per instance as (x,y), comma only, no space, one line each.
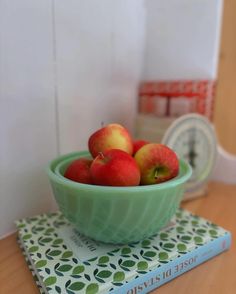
(119,191)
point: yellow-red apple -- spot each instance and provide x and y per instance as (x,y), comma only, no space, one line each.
(157,162)
(115,167)
(112,136)
(79,171)
(137,144)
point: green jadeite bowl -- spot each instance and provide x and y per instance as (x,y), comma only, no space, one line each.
(116,215)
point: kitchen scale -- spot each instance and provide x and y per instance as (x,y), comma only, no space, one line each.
(193,138)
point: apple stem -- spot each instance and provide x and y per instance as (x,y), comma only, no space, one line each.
(101,154)
(102,124)
(156,174)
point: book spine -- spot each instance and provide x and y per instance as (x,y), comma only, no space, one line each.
(34,272)
(173,269)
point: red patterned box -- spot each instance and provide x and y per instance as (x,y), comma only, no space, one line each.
(175,98)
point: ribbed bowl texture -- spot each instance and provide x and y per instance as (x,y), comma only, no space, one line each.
(116,215)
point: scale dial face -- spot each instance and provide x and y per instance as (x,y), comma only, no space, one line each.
(193,138)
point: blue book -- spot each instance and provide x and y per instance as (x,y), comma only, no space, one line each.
(65,261)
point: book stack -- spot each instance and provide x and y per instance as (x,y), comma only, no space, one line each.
(64,261)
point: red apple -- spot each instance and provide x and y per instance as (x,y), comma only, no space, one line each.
(112,136)
(115,167)
(79,171)
(138,144)
(157,162)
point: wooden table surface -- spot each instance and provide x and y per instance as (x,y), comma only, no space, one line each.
(217,275)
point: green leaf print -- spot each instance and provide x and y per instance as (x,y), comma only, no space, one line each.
(20,226)
(178,214)
(42,221)
(50,281)
(76,286)
(40,263)
(198,240)
(54,253)
(33,249)
(201,231)
(118,276)
(104,274)
(169,245)
(125,251)
(213,233)
(92,288)
(92,259)
(164,236)
(58,289)
(186,238)
(163,256)
(183,222)
(27,236)
(180,229)
(103,259)
(195,223)
(67,254)
(128,263)
(142,265)
(57,242)
(64,268)
(214,226)
(145,243)
(149,254)
(46,240)
(49,231)
(181,247)
(78,270)
(36,229)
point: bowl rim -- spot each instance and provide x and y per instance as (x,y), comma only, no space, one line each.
(73,155)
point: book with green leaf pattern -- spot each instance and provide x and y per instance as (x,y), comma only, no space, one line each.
(65,261)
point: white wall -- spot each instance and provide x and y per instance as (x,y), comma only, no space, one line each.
(99,51)
(182,39)
(65,66)
(27,107)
